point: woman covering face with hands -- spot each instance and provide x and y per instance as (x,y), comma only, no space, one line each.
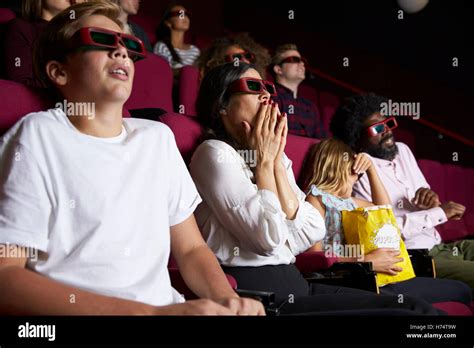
(253,215)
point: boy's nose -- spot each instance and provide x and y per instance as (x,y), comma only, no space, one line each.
(120,51)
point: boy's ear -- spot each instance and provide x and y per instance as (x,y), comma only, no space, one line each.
(168,24)
(56,72)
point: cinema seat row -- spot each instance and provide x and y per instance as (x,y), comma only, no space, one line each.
(153,90)
(18,100)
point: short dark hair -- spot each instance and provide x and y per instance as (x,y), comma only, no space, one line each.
(349,118)
(213,97)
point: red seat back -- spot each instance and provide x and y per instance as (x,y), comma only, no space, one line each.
(328,103)
(17,101)
(152,85)
(469,214)
(188,90)
(187,132)
(6,15)
(435,175)
(296,149)
(450,182)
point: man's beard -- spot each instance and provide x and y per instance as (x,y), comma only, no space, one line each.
(379,151)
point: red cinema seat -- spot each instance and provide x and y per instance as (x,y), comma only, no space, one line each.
(328,103)
(454,308)
(450,182)
(179,284)
(469,214)
(6,15)
(296,149)
(18,101)
(187,132)
(188,90)
(152,85)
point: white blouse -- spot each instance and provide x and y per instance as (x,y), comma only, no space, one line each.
(243,225)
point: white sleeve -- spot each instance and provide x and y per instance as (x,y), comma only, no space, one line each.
(162,50)
(361,189)
(25,205)
(415,168)
(308,227)
(183,197)
(253,216)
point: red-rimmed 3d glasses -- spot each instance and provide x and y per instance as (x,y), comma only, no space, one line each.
(103,38)
(240,56)
(252,85)
(293,59)
(380,127)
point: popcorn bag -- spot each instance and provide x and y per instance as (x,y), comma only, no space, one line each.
(373,228)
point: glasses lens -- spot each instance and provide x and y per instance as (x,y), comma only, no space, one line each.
(237,56)
(391,123)
(379,128)
(254,86)
(132,45)
(270,88)
(103,38)
(293,59)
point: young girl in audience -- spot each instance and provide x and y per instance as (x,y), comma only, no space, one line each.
(170,33)
(331,170)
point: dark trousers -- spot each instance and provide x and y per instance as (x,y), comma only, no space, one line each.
(431,290)
(295,296)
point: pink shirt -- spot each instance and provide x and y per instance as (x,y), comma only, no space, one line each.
(402,178)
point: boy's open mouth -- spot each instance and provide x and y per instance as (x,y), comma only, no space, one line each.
(120,72)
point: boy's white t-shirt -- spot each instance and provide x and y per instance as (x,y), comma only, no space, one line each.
(99,210)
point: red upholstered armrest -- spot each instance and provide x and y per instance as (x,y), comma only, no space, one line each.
(313,261)
(178,283)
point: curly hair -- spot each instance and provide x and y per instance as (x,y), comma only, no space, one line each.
(214,55)
(348,120)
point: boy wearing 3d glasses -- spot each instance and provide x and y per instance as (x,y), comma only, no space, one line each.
(102,200)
